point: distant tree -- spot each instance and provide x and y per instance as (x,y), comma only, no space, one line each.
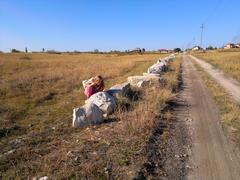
(43,49)
(176,50)
(26,50)
(15,51)
(53,52)
(96,51)
(143,50)
(76,51)
(209,48)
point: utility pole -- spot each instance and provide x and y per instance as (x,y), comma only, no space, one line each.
(202,27)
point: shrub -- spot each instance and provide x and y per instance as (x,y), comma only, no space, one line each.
(209,48)
(15,51)
(177,50)
(53,52)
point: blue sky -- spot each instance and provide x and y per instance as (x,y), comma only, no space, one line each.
(116,24)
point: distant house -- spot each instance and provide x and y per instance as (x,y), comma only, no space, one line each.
(163,51)
(230,46)
(237,45)
(137,50)
(196,48)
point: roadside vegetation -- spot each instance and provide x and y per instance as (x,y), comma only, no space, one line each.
(229,109)
(38,93)
(227,61)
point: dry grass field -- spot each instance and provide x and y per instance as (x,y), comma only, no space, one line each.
(41,88)
(228,61)
(38,93)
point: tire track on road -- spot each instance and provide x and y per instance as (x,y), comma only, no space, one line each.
(211,156)
(231,86)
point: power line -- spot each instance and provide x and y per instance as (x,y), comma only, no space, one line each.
(210,16)
(215,11)
(202,27)
(191,43)
(218,8)
(236,37)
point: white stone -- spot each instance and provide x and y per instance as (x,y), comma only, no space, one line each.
(151,75)
(157,68)
(87,114)
(163,61)
(166,59)
(103,101)
(138,81)
(120,89)
(43,178)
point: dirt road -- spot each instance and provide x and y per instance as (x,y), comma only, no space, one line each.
(211,156)
(230,85)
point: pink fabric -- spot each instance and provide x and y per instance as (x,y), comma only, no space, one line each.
(89,90)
